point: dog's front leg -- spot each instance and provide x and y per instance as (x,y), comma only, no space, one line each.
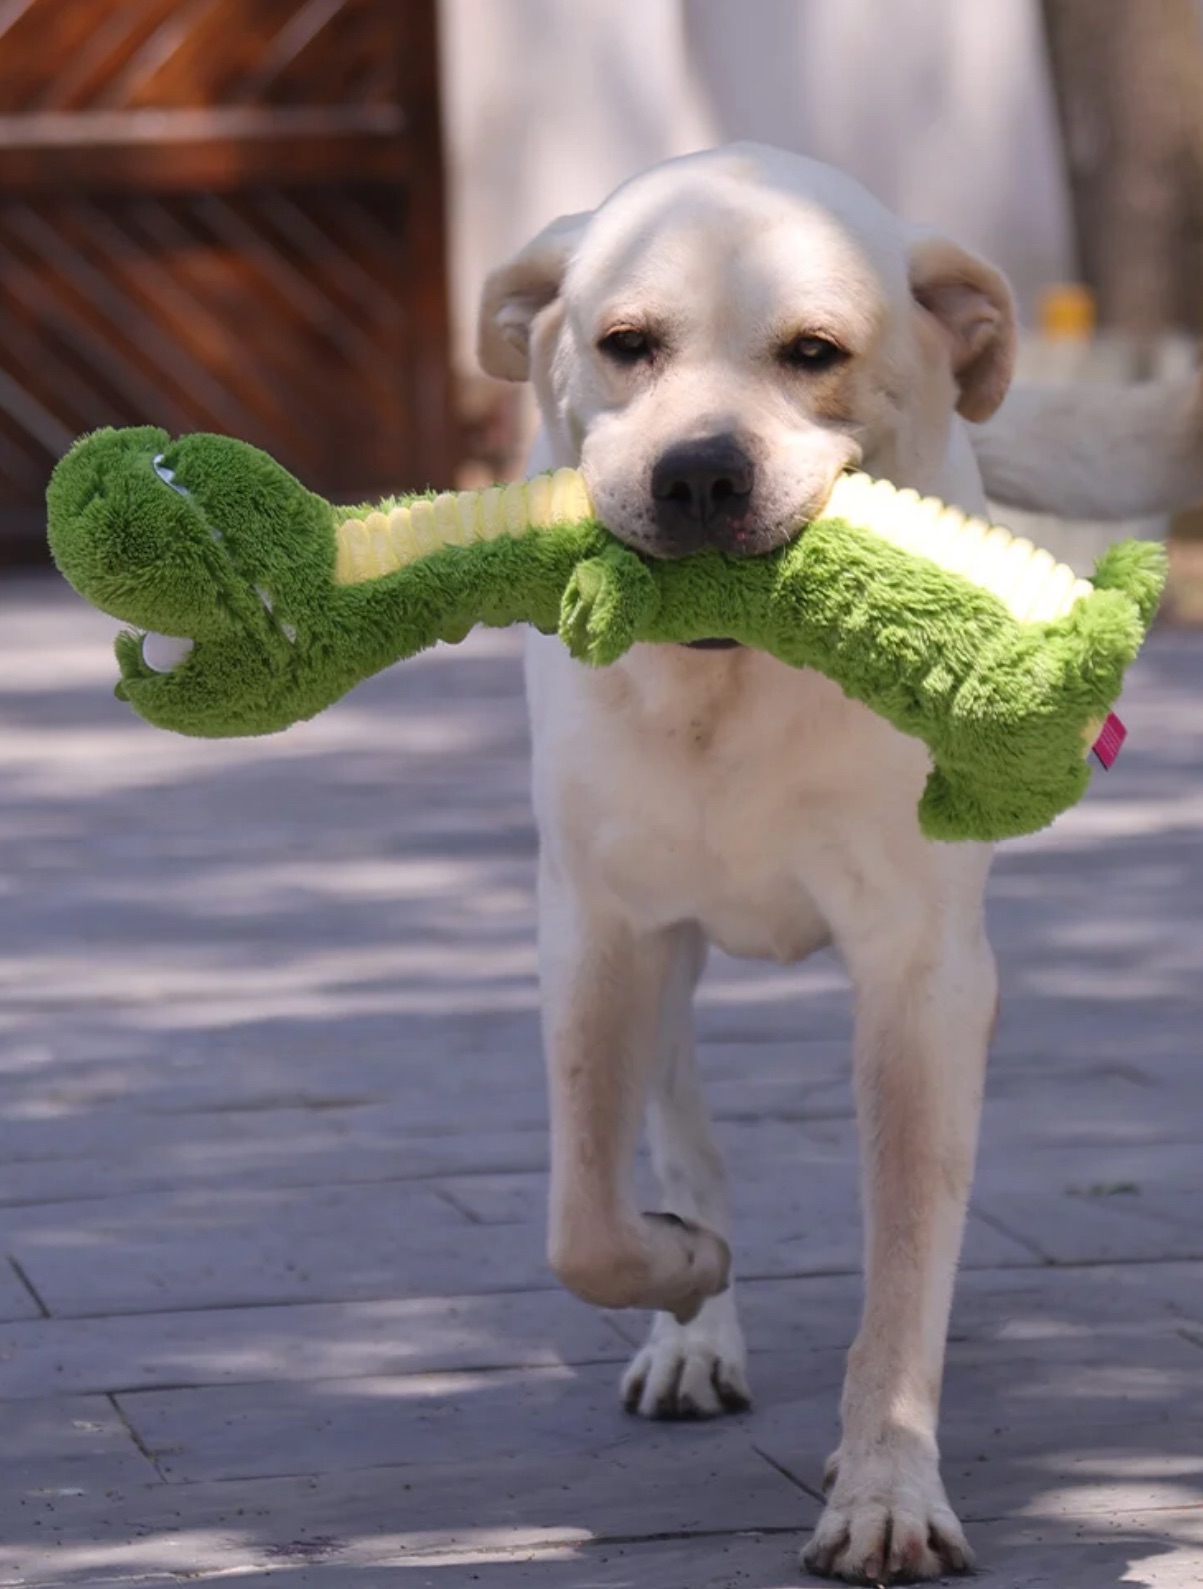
(699,1369)
(925,1011)
(604,985)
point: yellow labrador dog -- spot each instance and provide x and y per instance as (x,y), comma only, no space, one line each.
(712,347)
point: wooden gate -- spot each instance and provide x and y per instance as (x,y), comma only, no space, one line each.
(223,215)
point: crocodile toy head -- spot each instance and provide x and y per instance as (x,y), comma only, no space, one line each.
(205,542)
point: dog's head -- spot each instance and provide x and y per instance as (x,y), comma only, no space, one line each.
(729,331)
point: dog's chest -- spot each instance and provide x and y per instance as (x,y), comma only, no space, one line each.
(730,793)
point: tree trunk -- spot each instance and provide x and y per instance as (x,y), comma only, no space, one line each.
(1128,79)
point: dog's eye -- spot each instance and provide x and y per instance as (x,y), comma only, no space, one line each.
(627,345)
(812,353)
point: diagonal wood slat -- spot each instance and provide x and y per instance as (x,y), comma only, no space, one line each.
(287,402)
(98,53)
(103,294)
(223,214)
(186,317)
(317,246)
(328,321)
(92,54)
(178,34)
(37,422)
(310,24)
(81,401)
(96,343)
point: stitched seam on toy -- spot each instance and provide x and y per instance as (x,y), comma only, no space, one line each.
(167,476)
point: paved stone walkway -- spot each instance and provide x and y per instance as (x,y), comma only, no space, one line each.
(272,1140)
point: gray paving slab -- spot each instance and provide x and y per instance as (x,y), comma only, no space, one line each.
(1117,1396)
(400,1083)
(295,1147)
(415,1420)
(302,1343)
(791,1218)
(273,1146)
(66,1448)
(677,1483)
(16,1299)
(1165,1557)
(1065,1429)
(218,1248)
(1010,1304)
(1110,1221)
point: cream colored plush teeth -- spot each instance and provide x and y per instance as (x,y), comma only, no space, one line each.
(1035,577)
(966,541)
(449,528)
(1058,595)
(514,506)
(383,542)
(380,547)
(492,519)
(467,507)
(1031,584)
(985,568)
(353,548)
(539,502)
(569,498)
(1010,586)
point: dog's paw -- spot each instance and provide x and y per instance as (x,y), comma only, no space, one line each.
(887,1519)
(689,1265)
(694,1370)
(666,1264)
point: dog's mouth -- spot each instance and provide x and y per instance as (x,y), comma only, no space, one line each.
(740,541)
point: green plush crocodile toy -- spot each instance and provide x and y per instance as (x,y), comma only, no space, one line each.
(276,603)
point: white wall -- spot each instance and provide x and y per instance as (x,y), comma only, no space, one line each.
(548,105)
(941,107)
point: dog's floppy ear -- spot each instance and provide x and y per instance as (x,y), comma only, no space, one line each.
(515,292)
(973,303)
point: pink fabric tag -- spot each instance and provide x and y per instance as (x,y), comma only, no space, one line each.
(1110,741)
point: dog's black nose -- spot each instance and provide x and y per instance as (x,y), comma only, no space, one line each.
(701,489)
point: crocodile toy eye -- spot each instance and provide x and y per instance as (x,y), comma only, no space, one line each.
(166,475)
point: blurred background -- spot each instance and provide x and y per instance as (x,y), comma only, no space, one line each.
(273,1136)
(272,217)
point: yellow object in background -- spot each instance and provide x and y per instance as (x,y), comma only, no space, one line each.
(1067,312)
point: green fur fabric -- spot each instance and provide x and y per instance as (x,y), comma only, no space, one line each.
(209,538)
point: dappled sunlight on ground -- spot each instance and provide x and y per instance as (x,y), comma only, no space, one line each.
(273,1162)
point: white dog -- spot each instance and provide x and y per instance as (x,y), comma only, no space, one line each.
(712,347)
